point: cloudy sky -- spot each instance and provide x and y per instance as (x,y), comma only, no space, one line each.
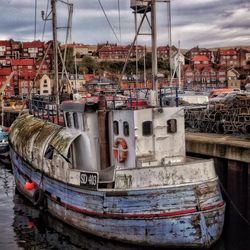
(207,23)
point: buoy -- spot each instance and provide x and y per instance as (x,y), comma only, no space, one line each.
(124,150)
(30,224)
(7,129)
(29,185)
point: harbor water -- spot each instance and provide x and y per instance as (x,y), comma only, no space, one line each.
(24,227)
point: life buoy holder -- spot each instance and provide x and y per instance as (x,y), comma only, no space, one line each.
(38,197)
(120,150)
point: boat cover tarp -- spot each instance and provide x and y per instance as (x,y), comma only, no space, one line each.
(30,137)
(62,140)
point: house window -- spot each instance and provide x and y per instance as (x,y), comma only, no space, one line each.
(116,127)
(76,122)
(126,128)
(172,126)
(68,120)
(147,128)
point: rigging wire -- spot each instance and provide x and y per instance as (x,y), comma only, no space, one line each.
(233,204)
(68,36)
(119,20)
(35,20)
(44,25)
(110,25)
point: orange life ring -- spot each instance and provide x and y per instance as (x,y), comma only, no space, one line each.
(120,157)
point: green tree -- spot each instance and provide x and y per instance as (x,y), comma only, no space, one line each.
(88,64)
(148,62)
(70,61)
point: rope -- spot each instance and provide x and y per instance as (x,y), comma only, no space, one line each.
(35,20)
(44,25)
(119,19)
(68,37)
(233,204)
(110,25)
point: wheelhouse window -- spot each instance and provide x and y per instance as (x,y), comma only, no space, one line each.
(172,126)
(116,127)
(68,120)
(75,119)
(147,128)
(125,128)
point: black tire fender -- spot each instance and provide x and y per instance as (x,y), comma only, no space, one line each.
(38,197)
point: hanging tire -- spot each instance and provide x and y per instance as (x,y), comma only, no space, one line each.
(38,197)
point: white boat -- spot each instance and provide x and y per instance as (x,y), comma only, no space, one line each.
(119,174)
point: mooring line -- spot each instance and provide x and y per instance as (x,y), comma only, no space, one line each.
(233,204)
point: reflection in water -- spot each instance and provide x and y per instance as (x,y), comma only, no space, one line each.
(35,228)
(24,227)
(7,189)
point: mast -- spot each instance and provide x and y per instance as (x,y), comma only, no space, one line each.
(154,46)
(170,40)
(179,65)
(55,45)
(144,67)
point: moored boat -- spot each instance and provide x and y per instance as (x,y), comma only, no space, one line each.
(131,184)
(4,145)
(121,174)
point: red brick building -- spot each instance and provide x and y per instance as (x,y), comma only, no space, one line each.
(196,51)
(232,57)
(4,74)
(79,49)
(5,53)
(24,75)
(163,51)
(203,77)
(118,52)
(35,49)
(228,57)
(199,61)
(113,52)
(141,50)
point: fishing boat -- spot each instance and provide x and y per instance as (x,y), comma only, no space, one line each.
(121,174)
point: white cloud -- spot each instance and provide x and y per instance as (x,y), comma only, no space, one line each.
(194,22)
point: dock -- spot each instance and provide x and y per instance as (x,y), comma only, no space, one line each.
(231,155)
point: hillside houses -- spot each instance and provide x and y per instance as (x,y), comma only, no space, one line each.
(215,69)
(201,68)
(117,52)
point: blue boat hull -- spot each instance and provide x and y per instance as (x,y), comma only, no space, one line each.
(147,217)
